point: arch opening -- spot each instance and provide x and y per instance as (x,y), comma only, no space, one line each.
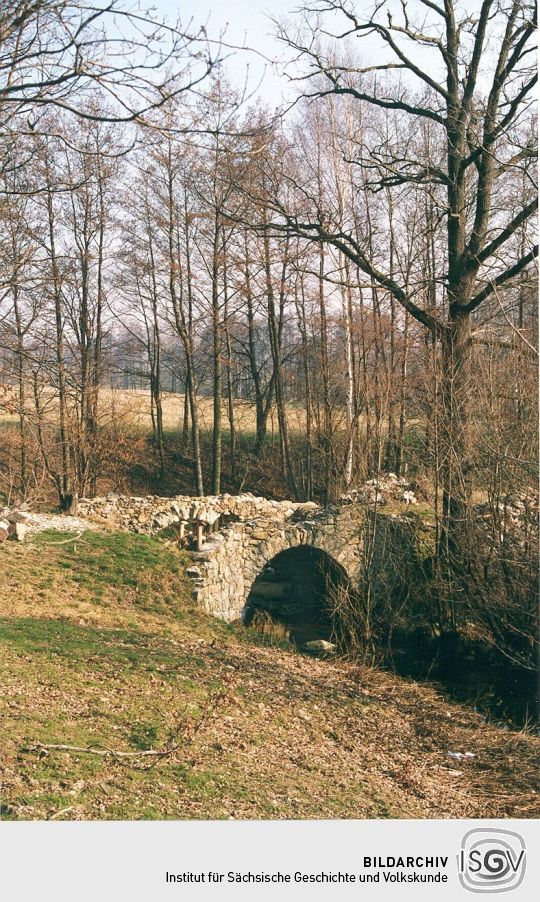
(292,592)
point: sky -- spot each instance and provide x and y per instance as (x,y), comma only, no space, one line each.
(245,22)
(249,22)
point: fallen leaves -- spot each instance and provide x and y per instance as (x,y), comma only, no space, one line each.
(290,737)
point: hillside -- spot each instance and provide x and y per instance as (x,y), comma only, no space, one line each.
(170,714)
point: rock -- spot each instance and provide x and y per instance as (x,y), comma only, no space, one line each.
(376,497)
(162,520)
(210,517)
(319,645)
(19,516)
(4,530)
(17,531)
(386,488)
(409,498)
(194,572)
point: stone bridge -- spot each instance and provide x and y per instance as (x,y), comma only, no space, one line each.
(240,541)
(229,562)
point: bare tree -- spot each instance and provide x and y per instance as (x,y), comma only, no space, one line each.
(472,78)
(53,51)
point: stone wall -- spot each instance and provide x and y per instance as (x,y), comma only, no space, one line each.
(229,562)
(151,513)
(242,534)
(235,536)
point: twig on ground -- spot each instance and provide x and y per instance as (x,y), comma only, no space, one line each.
(60,813)
(67,541)
(187,735)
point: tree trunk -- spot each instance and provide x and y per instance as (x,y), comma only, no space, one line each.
(63,484)
(275,343)
(230,392)
(218,365)
(302,325)
(261,412)
(456,463)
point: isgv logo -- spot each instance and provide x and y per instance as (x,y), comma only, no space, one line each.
(491,861)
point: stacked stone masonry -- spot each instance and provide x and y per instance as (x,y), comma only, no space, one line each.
(251,532)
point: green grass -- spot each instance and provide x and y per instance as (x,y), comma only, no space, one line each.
(80,645)
(101,648)
(111,561)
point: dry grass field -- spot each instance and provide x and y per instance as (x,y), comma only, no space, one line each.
(133,407)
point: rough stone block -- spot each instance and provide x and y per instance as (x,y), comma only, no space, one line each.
(17,531)
(18,516)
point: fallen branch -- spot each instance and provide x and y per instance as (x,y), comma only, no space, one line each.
(91,750)
(60,813)
(67,541)
(188,734)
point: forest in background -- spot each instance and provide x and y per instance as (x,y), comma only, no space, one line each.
(359,274)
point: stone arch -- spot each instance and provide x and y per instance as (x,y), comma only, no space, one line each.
(292,590)
(229,563)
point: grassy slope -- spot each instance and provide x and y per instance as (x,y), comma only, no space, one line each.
(100,647)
